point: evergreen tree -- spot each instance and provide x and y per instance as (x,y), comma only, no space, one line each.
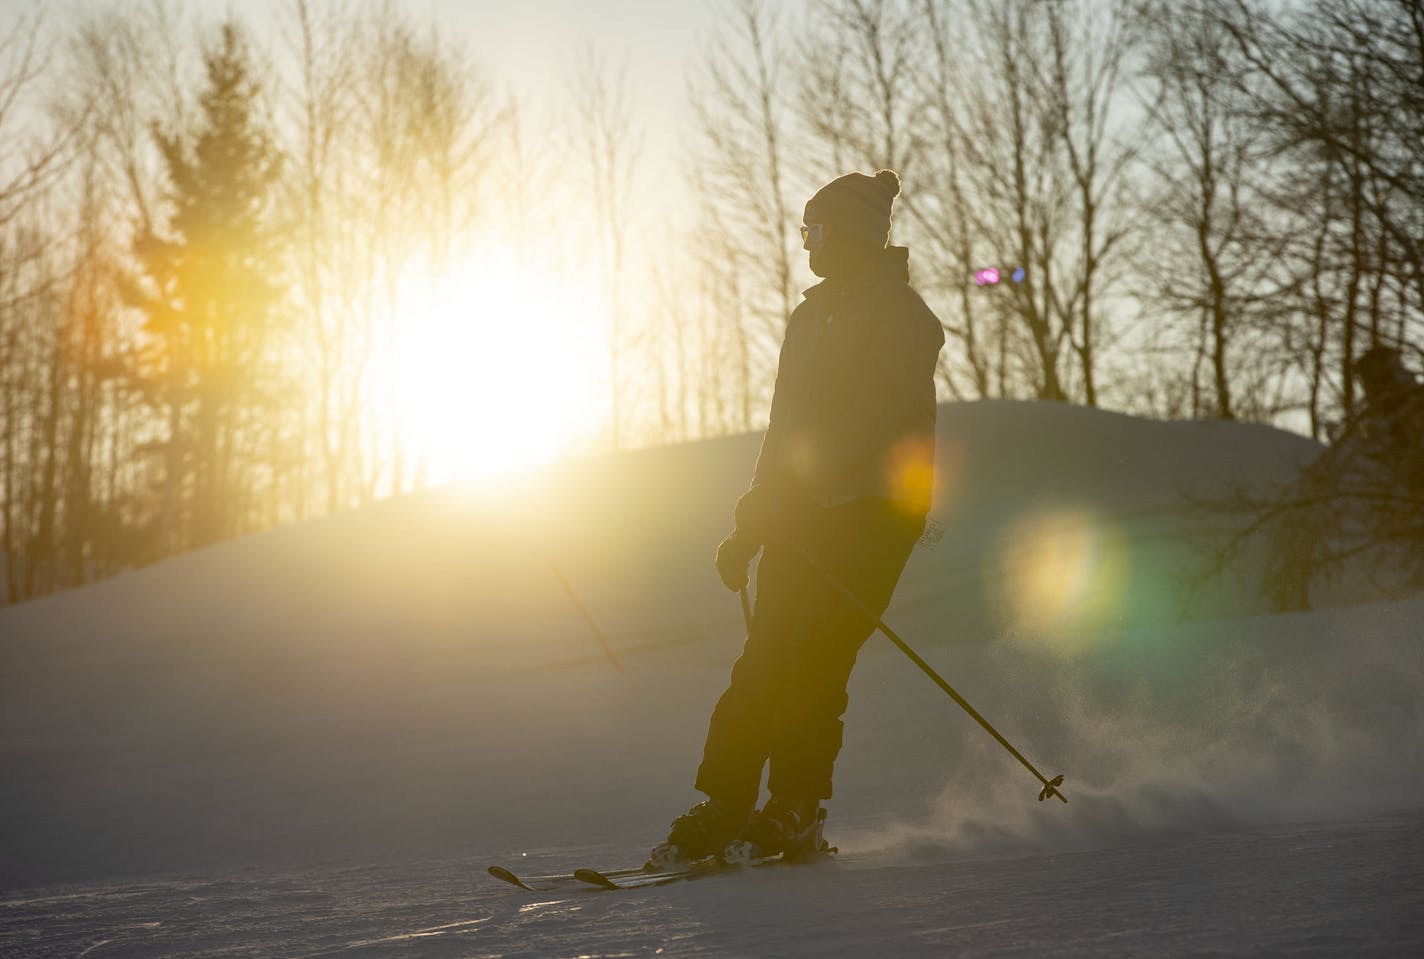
(212,285)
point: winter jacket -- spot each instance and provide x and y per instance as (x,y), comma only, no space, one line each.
(853,411)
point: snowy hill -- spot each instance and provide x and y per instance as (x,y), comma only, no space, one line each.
(311,741)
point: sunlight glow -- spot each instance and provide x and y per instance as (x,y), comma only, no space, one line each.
(496,369)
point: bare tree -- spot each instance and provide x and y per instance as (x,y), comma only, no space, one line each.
(861,98)
(609,146)
(1091,44)
(1020,190)
(426,125)
(322,106)
(33,342)
(743,164)
(28,163)
(121,71)
(1217,263)
(940,208)
(1337,90)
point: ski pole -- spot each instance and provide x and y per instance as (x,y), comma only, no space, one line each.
(587,617)
(1050,786)
(746,610)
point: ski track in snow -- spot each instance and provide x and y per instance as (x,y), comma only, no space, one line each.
(1323,889)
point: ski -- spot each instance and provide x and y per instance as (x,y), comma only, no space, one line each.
(640,879)
(736,856)
(550,882)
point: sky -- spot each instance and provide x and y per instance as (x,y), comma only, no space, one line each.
(530,45)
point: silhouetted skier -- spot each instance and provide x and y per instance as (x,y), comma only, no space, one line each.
(1392,421)
(845,472)
(1358,502)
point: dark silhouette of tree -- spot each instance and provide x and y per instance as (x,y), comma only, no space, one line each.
(35,341)
(1217,265)
(212,279)
(1337,89)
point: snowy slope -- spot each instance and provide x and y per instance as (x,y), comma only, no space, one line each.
(310,741)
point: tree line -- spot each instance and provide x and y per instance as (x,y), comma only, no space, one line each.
(1215,205)
(1207,208)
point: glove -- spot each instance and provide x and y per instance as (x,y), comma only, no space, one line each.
(775,508)
(734,555)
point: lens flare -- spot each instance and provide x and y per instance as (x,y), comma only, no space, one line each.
(1061,575)
(909,470)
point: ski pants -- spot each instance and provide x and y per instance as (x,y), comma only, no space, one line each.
(788,689)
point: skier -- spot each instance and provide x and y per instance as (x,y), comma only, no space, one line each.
(1387,381)
(845,474)
(1392,421)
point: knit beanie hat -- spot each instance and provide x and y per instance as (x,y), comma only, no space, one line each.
(858,203)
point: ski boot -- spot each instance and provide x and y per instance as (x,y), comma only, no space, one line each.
(702,831)
(789,828)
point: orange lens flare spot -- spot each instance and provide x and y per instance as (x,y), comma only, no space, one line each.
(909,473)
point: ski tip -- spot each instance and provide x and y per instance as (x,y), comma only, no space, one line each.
(499,872)
(594,877)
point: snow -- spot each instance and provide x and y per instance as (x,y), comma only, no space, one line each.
(312,741)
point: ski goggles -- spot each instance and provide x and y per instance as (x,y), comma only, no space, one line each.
(813,234)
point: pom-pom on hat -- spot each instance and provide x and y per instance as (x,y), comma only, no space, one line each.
(857,203)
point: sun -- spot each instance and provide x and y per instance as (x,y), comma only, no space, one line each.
(496,369)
